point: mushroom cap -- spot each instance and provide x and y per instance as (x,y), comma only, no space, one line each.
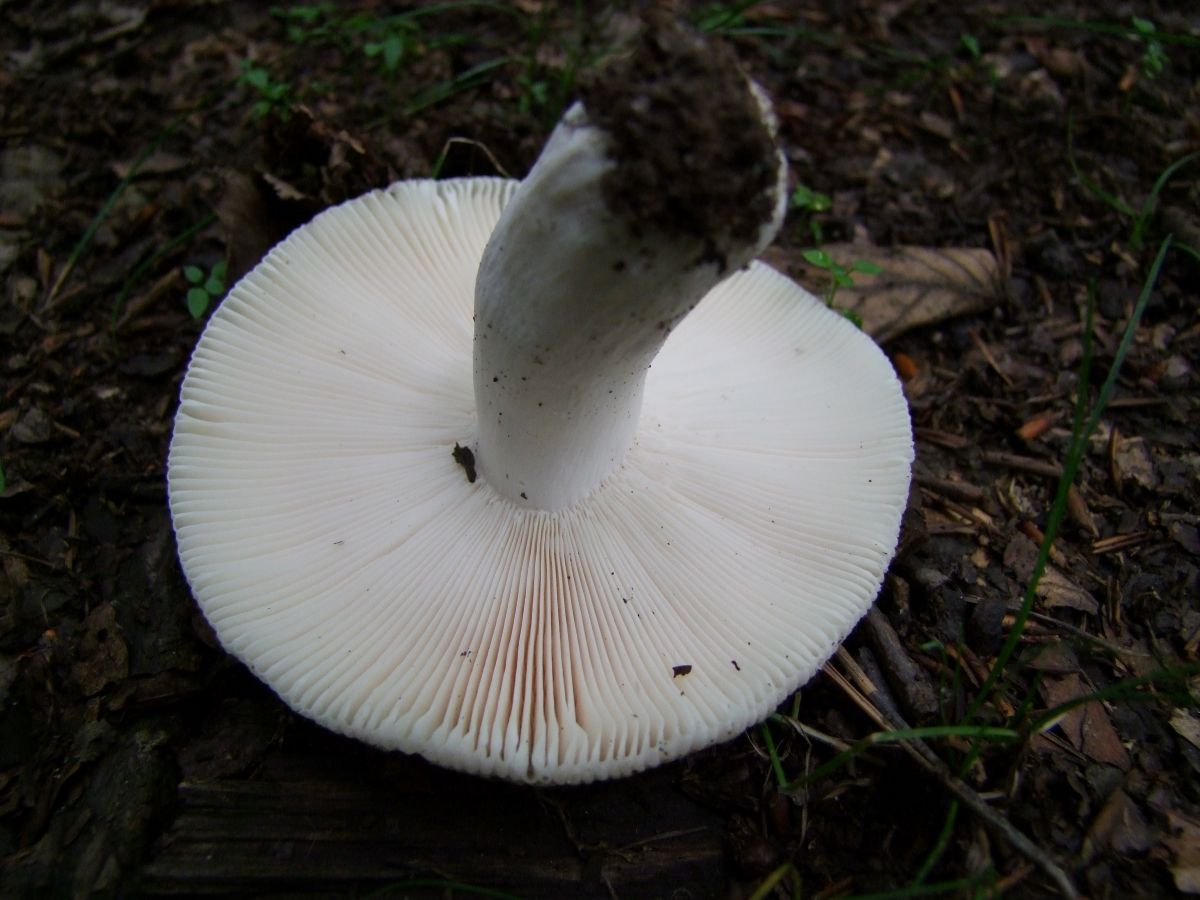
(339,550)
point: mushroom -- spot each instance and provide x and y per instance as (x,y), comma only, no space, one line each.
(690,471)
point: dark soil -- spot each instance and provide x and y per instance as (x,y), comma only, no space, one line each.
(138,759)
(675,107)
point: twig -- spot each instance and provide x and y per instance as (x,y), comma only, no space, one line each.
(987,355)
(921,753)
(907,679)
(1022,463)
(955,490)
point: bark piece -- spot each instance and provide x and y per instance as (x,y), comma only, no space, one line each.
(905,677)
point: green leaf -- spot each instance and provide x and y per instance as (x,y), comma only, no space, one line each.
(393,50)
(818,258)
(866,267)
(194,274)
(804,197)
(842,277)
(1142,26)
(197,302)
(852,316)
(219,270)
(214,287)
(256,77)
(971,43)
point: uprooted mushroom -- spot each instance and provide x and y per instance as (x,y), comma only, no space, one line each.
(690,471)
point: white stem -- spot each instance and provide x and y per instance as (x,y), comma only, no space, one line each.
(571,306)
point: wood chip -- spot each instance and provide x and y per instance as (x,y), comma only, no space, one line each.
(1037,426)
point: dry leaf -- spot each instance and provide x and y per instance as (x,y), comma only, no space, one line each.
(1186,726)
(1118,826)
(1087,727)
(1184,843)
(917,285)
(1054,588)
(1134,463)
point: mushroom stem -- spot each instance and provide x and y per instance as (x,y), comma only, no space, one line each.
(612,238)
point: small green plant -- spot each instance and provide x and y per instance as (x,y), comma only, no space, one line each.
(718,17)
(1141,217)
(840,276)
(804,199)
(205,288)
(1154,57)
(274,97)
(396,38)
(307,23)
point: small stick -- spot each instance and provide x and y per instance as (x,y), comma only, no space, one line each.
(904,676)
(955,490)
(921,753)
(1022,463)
(987,355)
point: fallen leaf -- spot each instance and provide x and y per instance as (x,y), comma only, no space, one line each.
(282,189)
(1133,463)
(1187,726)
(1054,588)
(916,286)
(1184,843)
(1118,826)
(1087,727)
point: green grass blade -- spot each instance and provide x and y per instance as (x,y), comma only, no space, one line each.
(900,735)
(1139,227)
(763,891)
(939,845)
(1126,689)
(1111,199)
(151,261)
(1058,509)
(929,890)
(776,765)
(461,82)
(90,232)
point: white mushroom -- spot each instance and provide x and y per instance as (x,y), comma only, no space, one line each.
(651,558)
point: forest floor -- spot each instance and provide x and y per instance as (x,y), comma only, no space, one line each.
(1008,166)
